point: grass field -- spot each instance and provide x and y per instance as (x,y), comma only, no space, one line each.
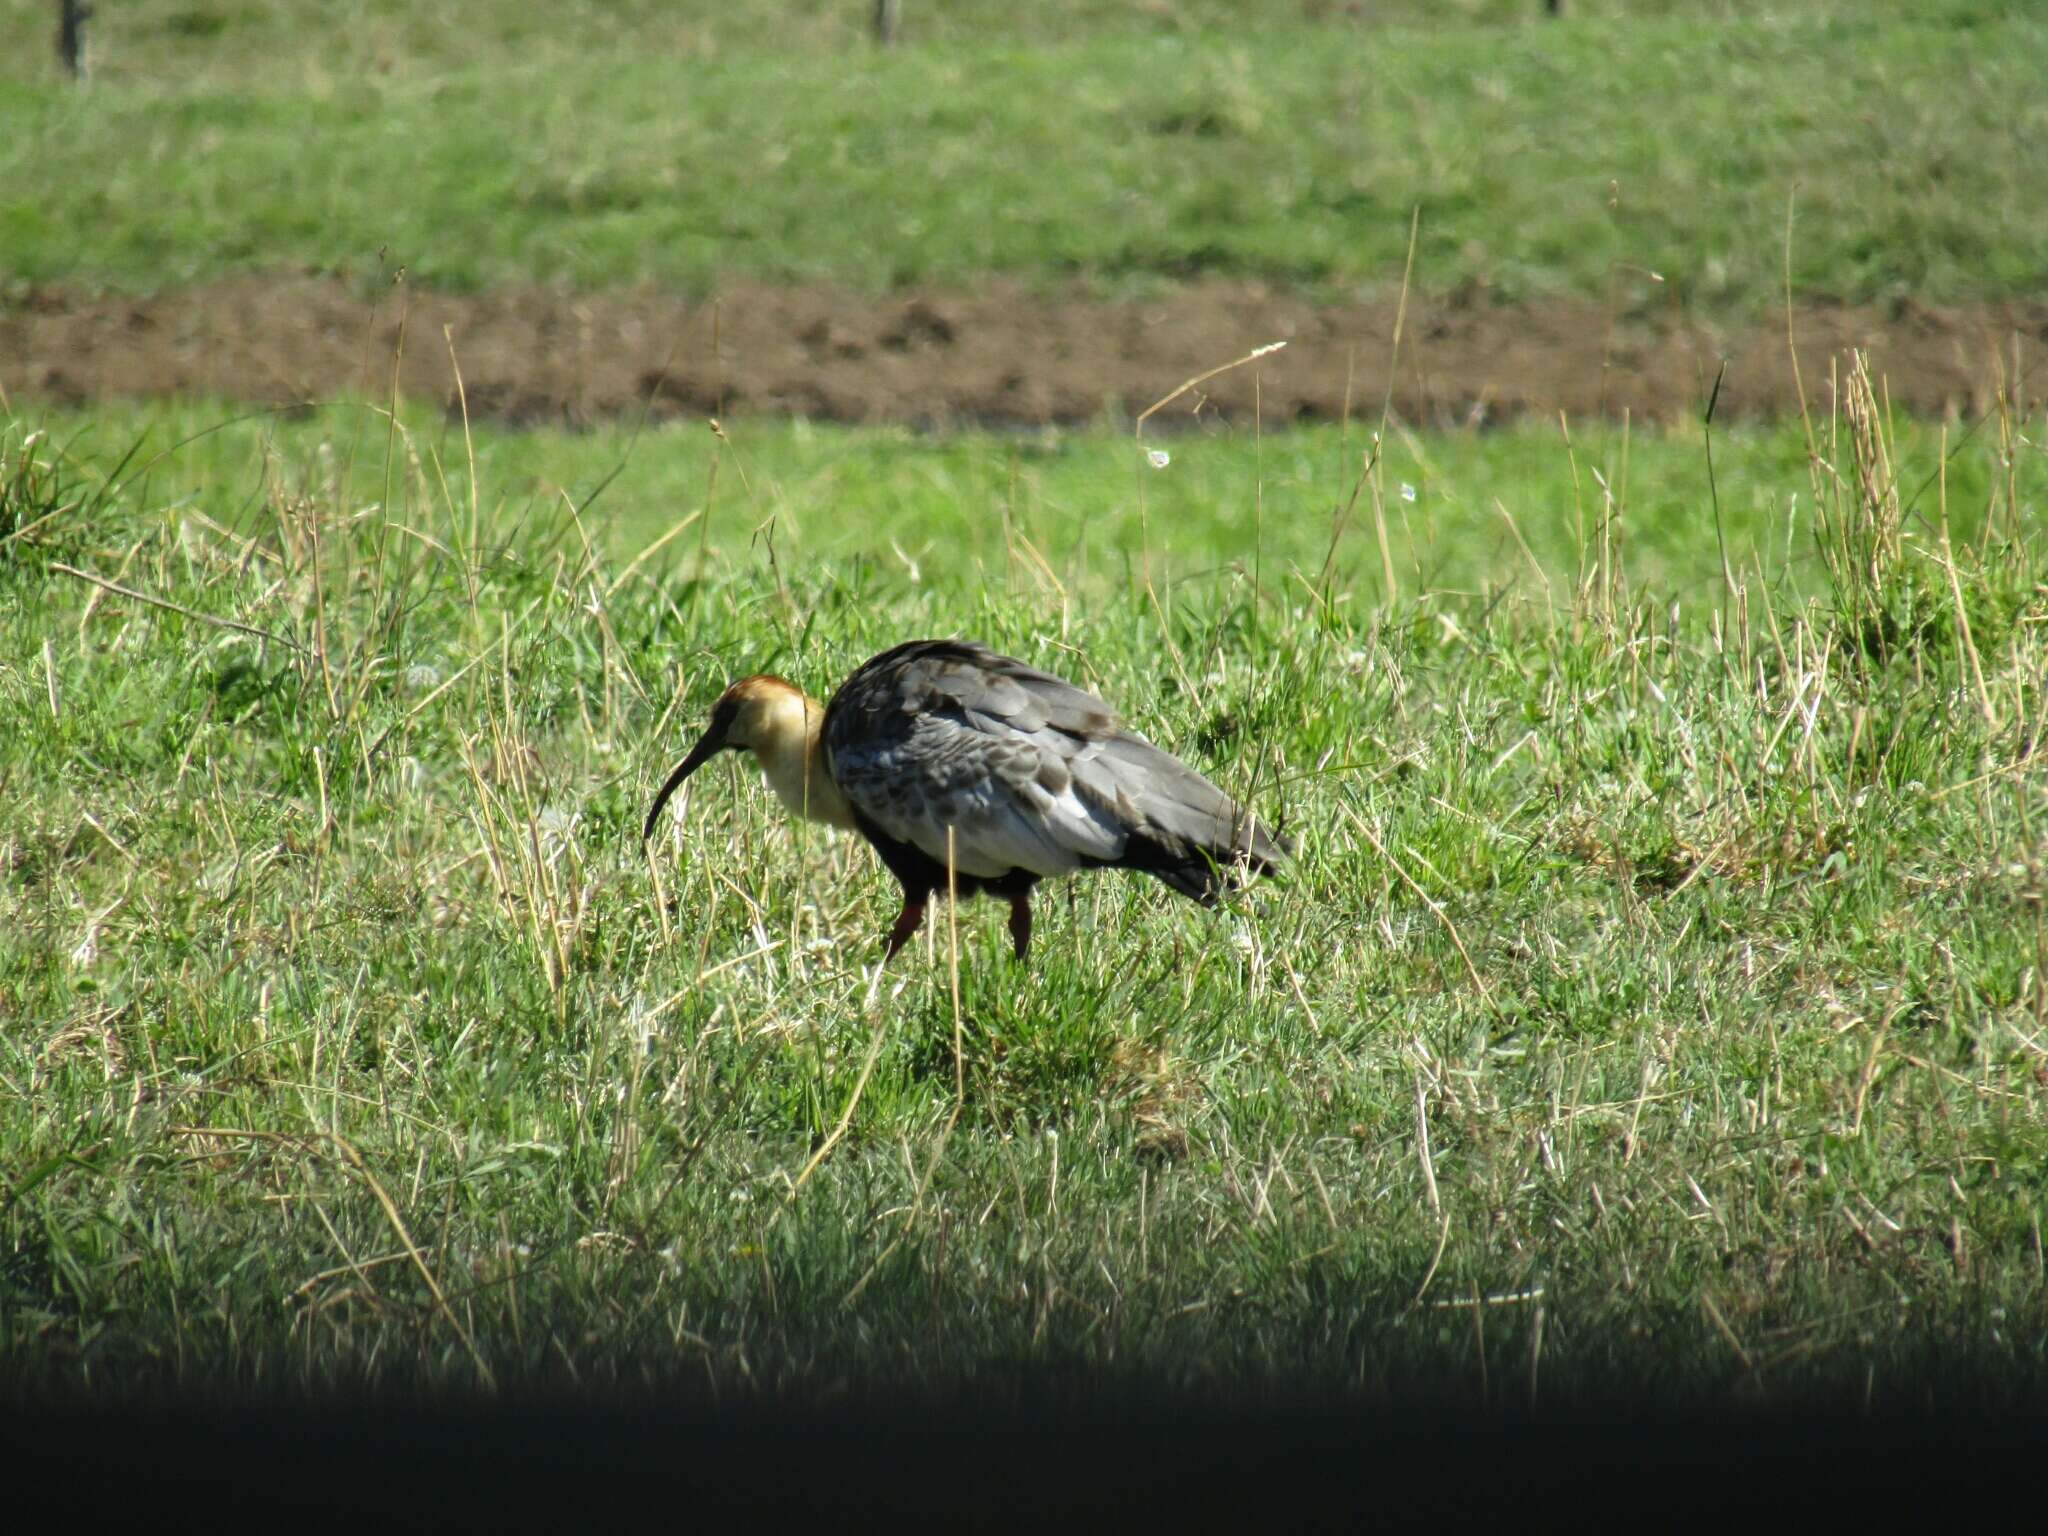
(1656,1003)
(1118,145)
(1656,1006)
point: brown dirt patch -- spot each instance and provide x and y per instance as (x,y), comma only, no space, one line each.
(999,355)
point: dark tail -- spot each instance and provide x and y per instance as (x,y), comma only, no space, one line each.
(1188,833)
(1203,872)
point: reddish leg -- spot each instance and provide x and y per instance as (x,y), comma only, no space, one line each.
(907,922)
(1020,922)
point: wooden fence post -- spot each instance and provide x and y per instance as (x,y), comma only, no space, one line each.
(71,18)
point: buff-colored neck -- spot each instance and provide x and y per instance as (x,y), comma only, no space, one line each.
(791,751)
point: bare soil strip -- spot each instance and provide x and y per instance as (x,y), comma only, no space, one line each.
(1001,355)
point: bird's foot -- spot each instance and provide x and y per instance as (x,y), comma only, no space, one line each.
(908,921)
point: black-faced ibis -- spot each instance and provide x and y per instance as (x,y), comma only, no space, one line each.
(1032,776)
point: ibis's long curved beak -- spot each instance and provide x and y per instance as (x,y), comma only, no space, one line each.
(708,744)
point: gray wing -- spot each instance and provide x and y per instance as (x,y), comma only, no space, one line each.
(1029,771)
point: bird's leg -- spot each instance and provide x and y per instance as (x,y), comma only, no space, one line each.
(1020,922)
(907,923)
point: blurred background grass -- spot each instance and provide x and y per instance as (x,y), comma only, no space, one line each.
(1466,513)
(1119,144)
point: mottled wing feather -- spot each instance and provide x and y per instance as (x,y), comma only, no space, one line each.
(1028,770)
(935,735)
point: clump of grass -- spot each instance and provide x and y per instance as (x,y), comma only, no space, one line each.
(29,493)
(1859,522)
(46,505)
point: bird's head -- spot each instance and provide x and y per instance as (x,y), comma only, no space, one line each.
(772,718)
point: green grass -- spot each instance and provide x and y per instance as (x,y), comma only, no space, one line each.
(1079,142)
(347,1035)
(237,43)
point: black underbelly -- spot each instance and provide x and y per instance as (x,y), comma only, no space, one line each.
(921,875)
